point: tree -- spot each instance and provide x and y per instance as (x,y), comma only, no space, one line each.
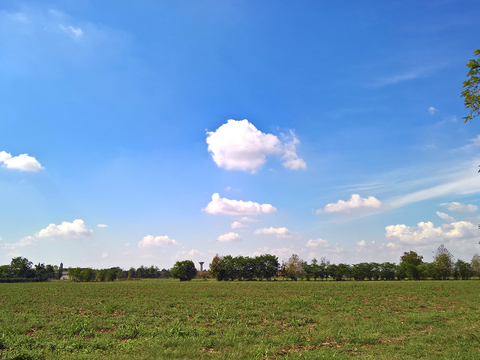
(294,267)
(21,268)
(471,86)
(60,271)
(184,270)
(475,264)
(462,270)
(88,274)
(112,274)
(101,275)
(443,262)
(408,264)
(216,268)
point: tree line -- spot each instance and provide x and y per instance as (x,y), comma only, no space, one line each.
(263,267)
(22,270)
(411,267)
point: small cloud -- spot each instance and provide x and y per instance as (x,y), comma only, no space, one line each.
(127,244)
(102,226)
(71,31)
(1,238)
(247,219)
(432,110)
(279,232)
(228,188)
(445,217)
(238,225)
(21,162)
(456,206)
(476,141)
(225,206)
(104,255)
(230,237)
(149,241)
(355,202)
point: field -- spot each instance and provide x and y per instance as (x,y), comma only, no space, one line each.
(168,319)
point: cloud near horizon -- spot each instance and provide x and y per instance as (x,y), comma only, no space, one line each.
(279,232)
(223,206)
(230,237)
(22,162)
(151,241)
(355,202)
(239,145)
(426,233)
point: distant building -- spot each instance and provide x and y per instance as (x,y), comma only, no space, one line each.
(64,276)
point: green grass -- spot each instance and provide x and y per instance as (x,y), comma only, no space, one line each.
(168,319)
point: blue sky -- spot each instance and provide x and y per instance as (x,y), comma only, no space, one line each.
(186,129)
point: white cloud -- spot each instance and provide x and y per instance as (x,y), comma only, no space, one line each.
(355,202)
(239,145)
(1,238)
(427,233)
(456,206)
(66,230)
(476,141)
(21,162)
(290,157)
(324,245)
(71,31)
(149,241)
(318,243)
(230,237)
(238,225)
(228,188)
(102,226)
(279,232)
(236,207)
(281,253)
(247,219)
(432,110)
(127,244)
(445,217)
(26,241)
(104,255)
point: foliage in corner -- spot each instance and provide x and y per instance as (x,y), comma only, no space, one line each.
(471,86)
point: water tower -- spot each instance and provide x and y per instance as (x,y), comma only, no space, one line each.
(201,265)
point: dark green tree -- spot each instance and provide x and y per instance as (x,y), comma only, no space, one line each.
(216,268)
(184,270)
(408,264)
(21,268)
(471,86)
(60,271)
(101,275)
(475,265)
(112,274)
(443,262)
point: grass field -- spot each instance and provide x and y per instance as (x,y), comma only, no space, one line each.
(168,319)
